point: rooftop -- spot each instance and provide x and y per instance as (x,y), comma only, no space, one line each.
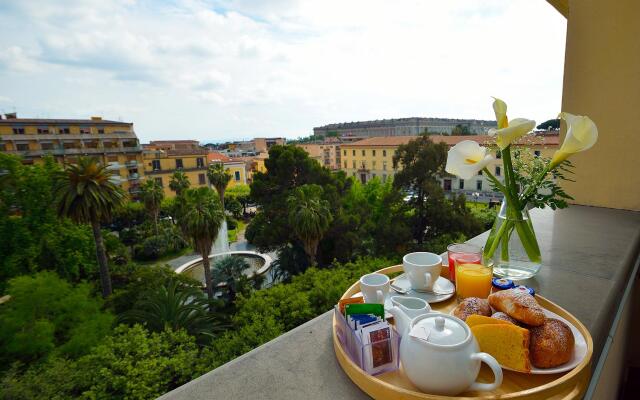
(213,156)
(61,121)
(392,141)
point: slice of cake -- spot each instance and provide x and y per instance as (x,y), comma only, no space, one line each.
(475,319)
(507,343)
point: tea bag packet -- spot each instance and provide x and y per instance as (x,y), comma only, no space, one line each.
(356,321)
(353,300)
(378,348)
(367,308)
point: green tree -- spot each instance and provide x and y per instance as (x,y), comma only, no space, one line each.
(550,125)
(176,307)
(461,130)
(219,177)
(231,271)
(201,219)
(179,182)
(234,207)
(422,164)
(47,315)
(152,195)
(86,194)
(309,217)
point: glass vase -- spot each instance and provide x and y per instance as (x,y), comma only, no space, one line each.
(512,245)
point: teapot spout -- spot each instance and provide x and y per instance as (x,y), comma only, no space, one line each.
(401,319)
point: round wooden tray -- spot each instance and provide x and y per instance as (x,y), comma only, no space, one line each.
(395,385)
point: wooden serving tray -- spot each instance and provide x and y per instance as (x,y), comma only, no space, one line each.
(395,385)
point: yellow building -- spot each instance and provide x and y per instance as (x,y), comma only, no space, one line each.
(161,164)
(236,167)
(114,143)
(373,157)
(326,154)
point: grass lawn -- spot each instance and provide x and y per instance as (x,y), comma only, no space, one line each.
(233,233)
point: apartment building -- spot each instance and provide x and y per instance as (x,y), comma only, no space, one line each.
(262,145)
(113,142)
(373,157)
(403,127)
(161,160)
(327,154)
(236,167)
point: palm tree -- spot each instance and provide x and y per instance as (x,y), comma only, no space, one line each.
(152,194)
(179,182)
(219,178)
(230,271)
(309,217)
(176,307)
(86,194)
(200,218)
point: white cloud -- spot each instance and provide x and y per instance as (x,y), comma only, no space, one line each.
(249,67)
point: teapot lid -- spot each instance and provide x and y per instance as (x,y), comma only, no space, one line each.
(439,329)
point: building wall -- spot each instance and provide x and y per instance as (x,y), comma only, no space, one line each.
(263,145)
(326,154)
(402,127)
(238,173)
(197,174)
(602,80)
(113,143)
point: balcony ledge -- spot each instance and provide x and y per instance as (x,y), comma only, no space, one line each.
(588,260)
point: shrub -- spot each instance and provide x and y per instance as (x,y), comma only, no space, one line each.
(232,223)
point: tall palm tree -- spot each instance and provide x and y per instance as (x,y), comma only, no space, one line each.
(177,307)
(231,271)
(179,182)
(152,194)
(200,218)
(309,217)
(219,178)
(86,194)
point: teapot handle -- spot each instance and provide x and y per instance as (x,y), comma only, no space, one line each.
(497,373)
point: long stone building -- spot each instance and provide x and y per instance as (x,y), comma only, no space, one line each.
(402,127)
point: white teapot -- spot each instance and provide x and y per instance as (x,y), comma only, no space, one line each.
(440,355)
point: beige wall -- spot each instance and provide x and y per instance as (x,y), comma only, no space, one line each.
(602,80)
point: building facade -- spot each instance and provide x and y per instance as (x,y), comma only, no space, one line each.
(402,127)
(262,145)
(327,154)
(160,165)
(114,143)
(373,157)
(236,167)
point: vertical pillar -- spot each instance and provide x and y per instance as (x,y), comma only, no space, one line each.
(602,80)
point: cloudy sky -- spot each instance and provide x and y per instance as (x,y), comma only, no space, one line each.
(220,70)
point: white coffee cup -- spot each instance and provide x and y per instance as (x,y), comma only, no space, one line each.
(374,287)
(423,269)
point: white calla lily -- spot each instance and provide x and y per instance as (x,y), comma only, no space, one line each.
(466,158)
(582,134)
(515,130)
(500,109)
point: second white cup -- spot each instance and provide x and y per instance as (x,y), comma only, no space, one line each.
(374,287)
(423,269)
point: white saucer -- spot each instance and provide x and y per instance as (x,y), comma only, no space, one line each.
(443,290)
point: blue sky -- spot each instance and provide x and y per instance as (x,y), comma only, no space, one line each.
(222,70)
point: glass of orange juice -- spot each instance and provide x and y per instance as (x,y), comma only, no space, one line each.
(473,280)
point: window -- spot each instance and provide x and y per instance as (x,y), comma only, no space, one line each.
(85,131)
(353,152)
(200,162)
(101,131)
(384,165)
(64,131)
(18,131)
(46,146)
(373,152)
(461,184)
(155,164)
(179,163)
(498,154)
(345,153)
(22,147)
(202,179)
(480,172)
(364,153)
(43,131)
(354,164)
(237,175)
(537,153)
(345,165)
(384,153)
(158,181)
(373,175)
(497,170)
(479,185)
